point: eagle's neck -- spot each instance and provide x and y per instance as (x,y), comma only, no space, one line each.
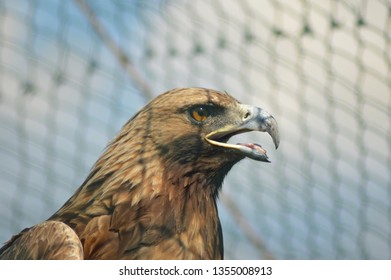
(164,202)
(196,215)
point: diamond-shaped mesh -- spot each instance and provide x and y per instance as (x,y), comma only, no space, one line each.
(72,72)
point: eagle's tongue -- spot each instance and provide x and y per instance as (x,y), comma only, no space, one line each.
(254,151)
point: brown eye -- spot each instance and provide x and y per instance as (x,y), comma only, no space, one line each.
(200,113)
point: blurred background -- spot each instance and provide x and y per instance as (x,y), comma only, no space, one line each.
(73,72)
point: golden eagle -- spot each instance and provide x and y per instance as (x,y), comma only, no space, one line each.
(152,194)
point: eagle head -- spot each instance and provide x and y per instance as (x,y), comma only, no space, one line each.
(193,125)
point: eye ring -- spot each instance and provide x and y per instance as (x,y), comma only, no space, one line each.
(200,113)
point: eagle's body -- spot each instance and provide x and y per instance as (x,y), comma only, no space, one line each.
(152,194)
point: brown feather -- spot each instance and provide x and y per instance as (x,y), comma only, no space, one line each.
(48,240)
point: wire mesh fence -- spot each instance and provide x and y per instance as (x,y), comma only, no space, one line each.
(72,72)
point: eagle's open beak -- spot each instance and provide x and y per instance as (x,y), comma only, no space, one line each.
(254,119)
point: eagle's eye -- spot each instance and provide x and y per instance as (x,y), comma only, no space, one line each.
(200,113)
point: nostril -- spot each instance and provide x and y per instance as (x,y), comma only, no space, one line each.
(247,115)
